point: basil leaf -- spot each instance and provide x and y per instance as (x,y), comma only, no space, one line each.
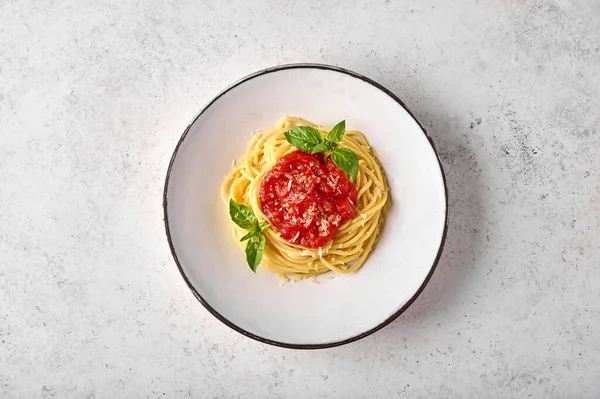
(245,218)
(241,215)
(254,251)
(330,145)
(263,226)
(256,230)
(321,147)
(346,160)
(250,234)
(304,138)
(337,132)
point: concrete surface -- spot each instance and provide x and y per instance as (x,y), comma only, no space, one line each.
(95,94)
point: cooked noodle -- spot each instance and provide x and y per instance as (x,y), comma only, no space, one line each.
(352,243)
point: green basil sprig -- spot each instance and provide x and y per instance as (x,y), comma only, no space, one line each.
(309,139)
(245,218)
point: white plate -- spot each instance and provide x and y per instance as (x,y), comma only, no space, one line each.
(304,315)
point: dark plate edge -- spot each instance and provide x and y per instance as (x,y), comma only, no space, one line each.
(265,340)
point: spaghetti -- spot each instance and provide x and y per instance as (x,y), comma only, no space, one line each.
(354,240)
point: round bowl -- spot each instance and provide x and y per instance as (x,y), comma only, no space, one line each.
(303,315)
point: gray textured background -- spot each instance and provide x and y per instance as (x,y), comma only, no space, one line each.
(95,94)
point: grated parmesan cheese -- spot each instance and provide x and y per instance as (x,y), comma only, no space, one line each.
(308,221)
(296,236)
(306,252)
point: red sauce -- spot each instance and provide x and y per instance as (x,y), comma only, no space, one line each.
(307,200)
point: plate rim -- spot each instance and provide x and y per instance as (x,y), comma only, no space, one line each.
(232,325)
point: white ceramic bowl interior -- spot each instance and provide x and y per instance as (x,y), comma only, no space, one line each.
(339,309)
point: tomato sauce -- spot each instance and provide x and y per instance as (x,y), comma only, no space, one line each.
(306,199)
